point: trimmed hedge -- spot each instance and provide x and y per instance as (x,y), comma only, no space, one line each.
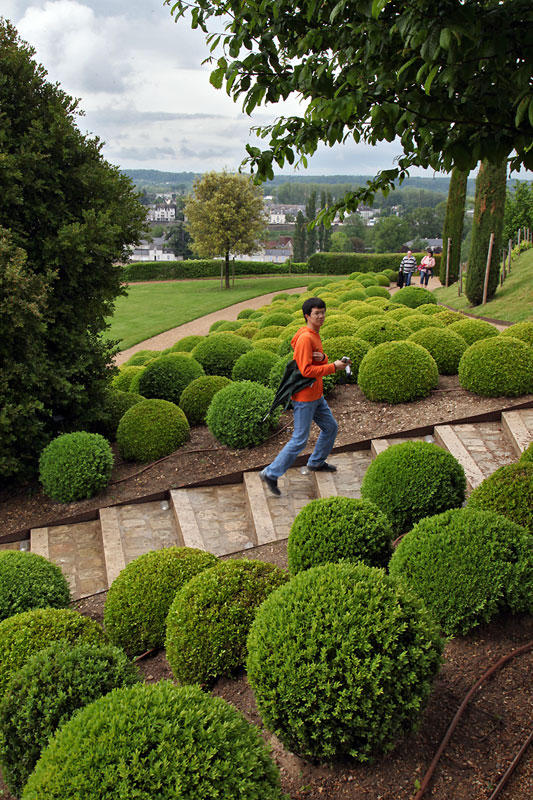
(123,379)
(473,330)
(377,291)
(351,346)
(44,694)
(139,358)
(413,480)
(235,416)
(467,566)
(336,529)
(150,430)
(341,661)
(254,366)
(414,296)
(444,345)
(377,331)
(139,598)
(448,316)
(23,635)
(269,332)
(267,345)
(156,741)
(75,466)
(276,318)
(166,377)
(202,268)
(415,322)
(210,618)
(276,373)
(196,397)
(508,491)
(28,581)
(218,353)
(497,366)
(397,372)
(349,263)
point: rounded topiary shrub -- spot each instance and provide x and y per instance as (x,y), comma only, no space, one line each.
(353,294)
(415,322)
(397,372)
(339,528)
(248,331)
(270,332)
(230,325)
(156,741)
(448,317)
(22,635)
(115,405)
(341,661)
(254,366)
(210,618)
(217,354)
(527,455)
(150,430)
(141,357)
(364,310)
(166,377)
(75,466)
(413,480)
(124,378)
(236,416)
(414,296)
(508,491)
(43,695)
(428,309)
(496,367)
(276,373)
(400,312)
(377,331)
(28,581)
(196,397)
(473,330)
(276,318)
(444,345)
(377,291)
(139,598)
(351,346)
(268,345)
(467,566)
(186,344)
(245,313)
(520,330)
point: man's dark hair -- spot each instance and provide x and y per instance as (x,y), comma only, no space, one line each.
(310,303)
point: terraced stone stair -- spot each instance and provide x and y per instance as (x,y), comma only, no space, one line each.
(225,519)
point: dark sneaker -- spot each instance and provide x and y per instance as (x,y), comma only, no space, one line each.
(325,467)
(272,483)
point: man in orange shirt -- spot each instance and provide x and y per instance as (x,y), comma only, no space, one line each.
(309,404)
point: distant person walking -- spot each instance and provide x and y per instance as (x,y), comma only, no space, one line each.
(309,404)
(408,266)
(427,265)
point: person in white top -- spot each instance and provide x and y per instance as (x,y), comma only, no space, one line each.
(427,265)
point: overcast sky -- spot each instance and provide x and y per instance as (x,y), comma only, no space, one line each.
(144,91)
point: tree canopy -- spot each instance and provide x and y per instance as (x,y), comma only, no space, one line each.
(451,79)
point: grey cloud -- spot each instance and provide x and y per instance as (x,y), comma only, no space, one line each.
(145,153)
(130,116)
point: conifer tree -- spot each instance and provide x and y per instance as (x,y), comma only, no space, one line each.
(298,242)
(453,225)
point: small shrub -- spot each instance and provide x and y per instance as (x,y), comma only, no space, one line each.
(115,404)
(445,346)
(508,491)
(364,310)
(230,325)
(353,294)
(166,377)
(341,661)
(351,346)
(150,430)
(380,302)
(401,312)
(124,378)
(235,416)
(377,291)
(186,344)
(24,634)
(336,529)
(415,322)
(267,345)
(429,309)
(210,618)
(414,296)
(377,331)
(276,318)
(139,598)
(197,396)
(496,367)
(43,695)
(217,354)
(276,373)
(141,357)
(156,741)
(246,313)
(368,280)
(413,480)
(216,325)
(467,566)
(28,581)
(527,455)
(75,466)
(448,317)
(135,381)
(397,372)
(248,331)
(254,366)
(269,332)
(338,326)
(520,330)
(473,330)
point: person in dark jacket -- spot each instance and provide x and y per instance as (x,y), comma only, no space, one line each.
(408,266)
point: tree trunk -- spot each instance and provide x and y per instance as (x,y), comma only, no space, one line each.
(488,218)
(227,269)
(453,225)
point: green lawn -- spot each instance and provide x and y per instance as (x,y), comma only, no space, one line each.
(152,308)
(512,302)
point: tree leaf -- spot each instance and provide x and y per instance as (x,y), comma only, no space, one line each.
(431,76)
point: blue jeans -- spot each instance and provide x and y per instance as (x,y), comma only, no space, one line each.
(304,414)
(407,278)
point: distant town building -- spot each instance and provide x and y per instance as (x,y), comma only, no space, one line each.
(153,251)
(277,214)
(435,244)
(161,213)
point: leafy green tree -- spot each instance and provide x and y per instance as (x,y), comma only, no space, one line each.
(450,79)
(225,215)
(488,218)
(340,243)
(178,240)
(389,234)
(311,235)
(453,225)
(518,211)
(298,241)
(73,215)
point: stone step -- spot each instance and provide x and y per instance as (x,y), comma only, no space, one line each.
(518,427)
(487,446)
(258,510)
(447,437)
(378,446)
(346,482)
(297,489)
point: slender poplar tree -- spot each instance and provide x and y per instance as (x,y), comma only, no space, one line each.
(453,225)
(298,243)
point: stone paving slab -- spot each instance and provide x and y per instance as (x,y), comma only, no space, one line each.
(145,527)
(78,550)
(222,518)
(488,445)
(297,489)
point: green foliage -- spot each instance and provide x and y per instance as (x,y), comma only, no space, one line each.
(397,372)
(245,313)
(414,296)
(43,695)
(453,225)
(141,357)
(341,661)
(444,345)
(497,367)
(520,330)
(527,455)
(185,742)
(508,491)
(467,566)
(75,466)
(28,581)
(190,269)
(377,291)
(377,331)
(150,430)
(351,346)
(416,322)
(166,377)
(473,330)
(428,309)
(254,366)
(518,210)
(114,406)
(276,373)
(349,263)
(276,318)
(364,310)
(269,345)
(353,294)
(196,397)
(339,529)
(24,634)
(448,317)
(123,380)
(401,312)
(228,325)
(210,618)
(235,416)
(269,332)
(218,354)
(413,480)
(338,326)
(139,598)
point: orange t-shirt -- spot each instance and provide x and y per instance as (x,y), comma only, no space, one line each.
(304,343)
